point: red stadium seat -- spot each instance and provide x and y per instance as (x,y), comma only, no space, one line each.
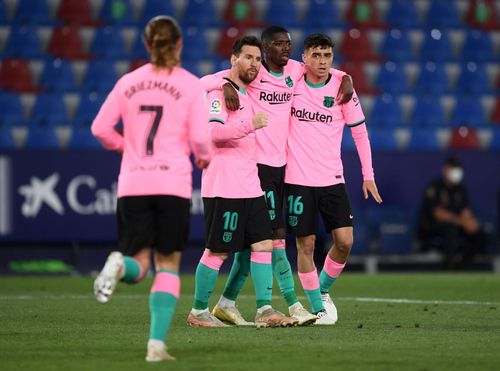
(482,14)
(464,137)
(495,116)
(358,77)
(363,14)
(227,38)
(77,12)
(66,43)
(15,75)
(356,46)
(136,63)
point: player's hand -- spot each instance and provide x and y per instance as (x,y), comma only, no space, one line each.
(231,97)
(260,120)
(201,164)
(346,90)
(369,186)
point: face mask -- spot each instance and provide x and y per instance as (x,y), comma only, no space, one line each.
(455,175)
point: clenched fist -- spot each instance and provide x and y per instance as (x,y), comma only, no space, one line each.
(260,120)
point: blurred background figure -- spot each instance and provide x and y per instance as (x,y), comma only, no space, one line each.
(447,222)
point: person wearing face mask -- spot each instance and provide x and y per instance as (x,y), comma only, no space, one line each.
(447,221)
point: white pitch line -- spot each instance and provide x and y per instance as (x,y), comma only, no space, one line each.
(251,297)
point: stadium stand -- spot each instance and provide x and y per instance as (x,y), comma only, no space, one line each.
(241,13)
(76,12)
(23,42)
(66,43)
(58,76)
(15,75)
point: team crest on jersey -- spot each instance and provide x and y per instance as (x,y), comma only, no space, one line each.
(328,102)
(289,81)
(272,214)
(292,221)
(215,106)
(227,237)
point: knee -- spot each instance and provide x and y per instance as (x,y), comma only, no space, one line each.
(305,245)
(344,245)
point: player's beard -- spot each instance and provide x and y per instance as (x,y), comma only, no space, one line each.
(248,76)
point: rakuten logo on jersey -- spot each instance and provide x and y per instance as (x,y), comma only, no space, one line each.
(42,192)
(308,116)
(275,98)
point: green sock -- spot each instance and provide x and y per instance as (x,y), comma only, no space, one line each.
(314,297)
(162,303)
(238,274)
(325,281)
(205,279)
(132,270)
(262,277)
(284,275)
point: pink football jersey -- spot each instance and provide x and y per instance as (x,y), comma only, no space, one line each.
(164,118)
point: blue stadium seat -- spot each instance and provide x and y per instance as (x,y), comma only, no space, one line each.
(152,8)
(193,67)
(199,13)
(195,44)
(12,110)
(33,12)
(473,79)
(3,12)
(101,76)
(23,42)
(468,112)
(89,105)
(49,110)
(396,45)
(7,141)
(432,79)
(436,46)
(386,112)
(392,78)
(427,112)
(117,12)
(442,13)
(139,49)
(322,13)
(478,46)
(382,139)
(347,140)
(108,43)
(424,140)
(82,138)
(41,138)
(402,14)
(495,139)
(58,76)
(282,13)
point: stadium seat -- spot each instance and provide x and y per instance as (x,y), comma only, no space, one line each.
(424,140)
(482,14)
(66,43)
(478,46)
(322,13)
(15,75)
(199,13)
(82,138)
(152,8)
(195,45)
(241,13)
(436,46)
(76,12)
(465,138)
(50,110)
(108,43)
(402,14)
(7,141)
(117,12)
(193,67)
(386,112)
(432,79)
(363,14)
(391,78)
(383,139)
(58,76)
(12,110)
(396,45)
(33,12)
(100,76)
(355,70)
(41,137)
(442,13)
(469,112)
(494,144)
(228,36)
(495,115)
(3,12)
(87,109)
(427,112)
(139,49)
(356,46)
(473,79)
(23,42)
(281,13)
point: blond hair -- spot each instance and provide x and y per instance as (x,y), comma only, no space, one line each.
(161,36)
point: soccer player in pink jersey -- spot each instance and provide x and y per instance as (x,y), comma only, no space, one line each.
(162,109)
(314,179)
(270,92)
(235,210)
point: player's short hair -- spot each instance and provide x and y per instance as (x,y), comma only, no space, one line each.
(267,35)
(453,161)
(161,35)
(316,40)
(246,40)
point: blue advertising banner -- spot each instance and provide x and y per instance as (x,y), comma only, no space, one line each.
(71,195)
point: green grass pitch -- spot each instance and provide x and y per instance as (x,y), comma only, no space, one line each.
(387,322)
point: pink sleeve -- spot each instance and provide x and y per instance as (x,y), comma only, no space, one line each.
(103,127)
(214,81)
(223,133)
(337,73)
(199,136)
(360,135)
